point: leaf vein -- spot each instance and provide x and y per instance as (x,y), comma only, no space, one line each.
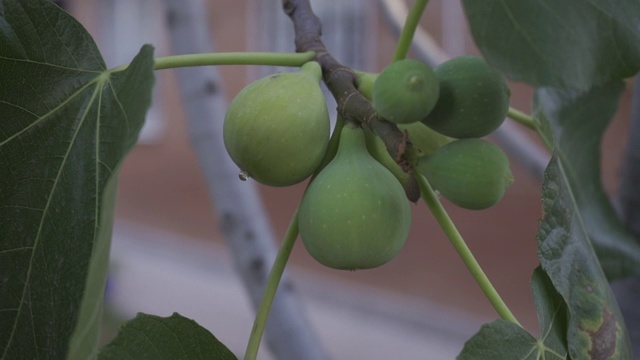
(39,232)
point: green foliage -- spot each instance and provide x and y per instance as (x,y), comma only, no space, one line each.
(503,340)
(574,44)
(165,338)
(67,123)
(595,329)
(572,124)
(576,219)
(568,46)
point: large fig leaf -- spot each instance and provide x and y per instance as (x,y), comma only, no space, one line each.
(578,222)
(66,123)
(573,124)
(504,340)
(170,338)
(560,43)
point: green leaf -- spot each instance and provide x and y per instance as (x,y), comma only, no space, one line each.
(571,44)
(65,125)
(578,222)
(171,338)
(573,124)
(503,340)
(500,340)
(552,316)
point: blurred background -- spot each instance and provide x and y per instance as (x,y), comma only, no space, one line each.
(168,251)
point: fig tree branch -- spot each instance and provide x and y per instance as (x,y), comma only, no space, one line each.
(340,80)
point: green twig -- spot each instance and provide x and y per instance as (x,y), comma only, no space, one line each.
(410,26)
(438,211)
(231,58)
(522,118)
(270,290)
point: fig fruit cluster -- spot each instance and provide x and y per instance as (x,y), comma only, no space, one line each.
(355,213)
(445,112)
(463,97)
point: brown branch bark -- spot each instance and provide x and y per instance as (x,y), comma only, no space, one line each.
(340,80)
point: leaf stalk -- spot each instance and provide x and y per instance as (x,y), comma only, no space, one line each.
(522,118)
(230,58)
(271,287)
(409,29)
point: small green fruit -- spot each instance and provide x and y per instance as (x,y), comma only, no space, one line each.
(354,215)
(405,91)
(471,173)
(277,128)
(474,98)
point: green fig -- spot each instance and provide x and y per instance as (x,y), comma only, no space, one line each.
(421,136)
(277,128)
(473,101)
(405,91)
(354,214)
(471,173)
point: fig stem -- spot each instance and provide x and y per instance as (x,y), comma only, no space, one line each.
(449,228)
(271,287)
(230,58)
(522,118)
(410,26)
(332,148)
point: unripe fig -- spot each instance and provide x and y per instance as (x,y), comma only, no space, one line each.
(277,128)
(405,91)
(354,215)
(474,98)
(471,173)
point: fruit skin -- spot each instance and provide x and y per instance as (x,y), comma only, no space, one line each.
(354,215)
(474,98)
(405,91)
(471,173)
(421,136)
(277,128)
